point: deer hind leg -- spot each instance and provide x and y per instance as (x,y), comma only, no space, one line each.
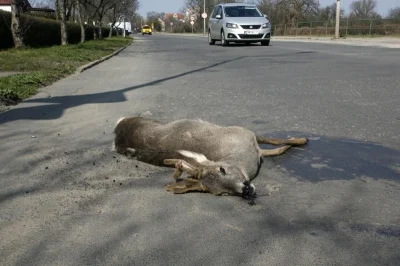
(277,142)
(274,152)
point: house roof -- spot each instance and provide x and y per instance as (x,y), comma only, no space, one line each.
(20,2)
(42,9)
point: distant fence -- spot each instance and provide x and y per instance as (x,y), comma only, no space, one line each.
(347,27)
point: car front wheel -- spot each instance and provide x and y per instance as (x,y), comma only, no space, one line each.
(211,41)
(223,41)
(265,43)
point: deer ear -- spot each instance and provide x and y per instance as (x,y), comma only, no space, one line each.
(197,157)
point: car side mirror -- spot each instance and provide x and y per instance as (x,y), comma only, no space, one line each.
(218,16)
(265,16)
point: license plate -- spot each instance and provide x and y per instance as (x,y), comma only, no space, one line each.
(250,33)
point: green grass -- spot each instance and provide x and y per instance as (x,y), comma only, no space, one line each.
(43,66)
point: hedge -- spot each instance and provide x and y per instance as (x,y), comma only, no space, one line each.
(39,32)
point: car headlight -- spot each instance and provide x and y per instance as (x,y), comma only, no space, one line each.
(266,25)
(231,25)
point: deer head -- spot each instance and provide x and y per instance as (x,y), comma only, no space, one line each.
(211,177)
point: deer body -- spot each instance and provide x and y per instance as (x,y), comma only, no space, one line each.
(219,159)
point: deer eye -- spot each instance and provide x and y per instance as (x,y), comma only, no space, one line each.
(222,170)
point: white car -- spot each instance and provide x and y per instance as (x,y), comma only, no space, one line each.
(239,23)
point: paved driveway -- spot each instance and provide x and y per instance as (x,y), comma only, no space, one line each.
(66,199)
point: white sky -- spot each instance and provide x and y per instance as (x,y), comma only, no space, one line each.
(172,6)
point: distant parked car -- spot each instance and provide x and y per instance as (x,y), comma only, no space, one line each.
(146,30)
(239,23)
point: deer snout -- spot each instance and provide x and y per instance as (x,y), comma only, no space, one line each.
(248,190)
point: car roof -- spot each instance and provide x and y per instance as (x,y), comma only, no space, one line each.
(236,4)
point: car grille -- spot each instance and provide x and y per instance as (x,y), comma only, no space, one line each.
(256,36)
(248,27)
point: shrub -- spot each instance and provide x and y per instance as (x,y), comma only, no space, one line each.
(39,32)
(9,97)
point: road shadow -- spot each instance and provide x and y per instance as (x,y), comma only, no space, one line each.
(100,224)
(328,158)
(55,106)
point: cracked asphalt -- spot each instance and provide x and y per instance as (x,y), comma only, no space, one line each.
(67,199)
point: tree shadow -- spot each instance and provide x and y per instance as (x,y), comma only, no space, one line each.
(55,106)
(329,158)
(140,223)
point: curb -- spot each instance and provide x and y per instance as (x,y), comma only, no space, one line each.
(92,64)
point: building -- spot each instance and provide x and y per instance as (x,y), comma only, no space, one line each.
(43,12)
(26,7)
(162,22)
(177,16)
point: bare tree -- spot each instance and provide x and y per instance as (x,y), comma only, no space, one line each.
(364,9)
(16,27)
(100,8)
(80,18)
(114,14)
(328,13)
(394,13)
(288,11)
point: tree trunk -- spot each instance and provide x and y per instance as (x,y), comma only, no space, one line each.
(111,29)
(68,12)
(57,10)
(94,27)
(78,10)
(64,35)
(100,29)
(16,29)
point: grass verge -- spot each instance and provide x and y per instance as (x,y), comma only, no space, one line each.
(43,66)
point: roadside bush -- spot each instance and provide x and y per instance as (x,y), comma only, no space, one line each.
(39,32)
(9,97)
(6,40)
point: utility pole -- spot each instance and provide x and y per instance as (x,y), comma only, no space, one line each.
(204,19)
(124,27)
(124,20)
(337,36)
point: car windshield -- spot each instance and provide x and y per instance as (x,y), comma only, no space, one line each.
(146,27)
(242,11)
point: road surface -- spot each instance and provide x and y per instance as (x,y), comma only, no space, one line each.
(67,199)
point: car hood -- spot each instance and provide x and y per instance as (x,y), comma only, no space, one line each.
(247,21)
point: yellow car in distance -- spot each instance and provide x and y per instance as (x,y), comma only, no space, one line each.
(146,30)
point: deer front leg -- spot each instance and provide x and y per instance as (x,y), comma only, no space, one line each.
(186,185)
(183,166)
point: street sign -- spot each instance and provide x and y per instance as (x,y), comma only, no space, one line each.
(191,18)
(204,15)
(171,23)
(192,22)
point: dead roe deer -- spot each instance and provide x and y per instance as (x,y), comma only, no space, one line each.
(219,160)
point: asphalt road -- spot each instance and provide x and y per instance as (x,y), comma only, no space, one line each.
(67,199)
